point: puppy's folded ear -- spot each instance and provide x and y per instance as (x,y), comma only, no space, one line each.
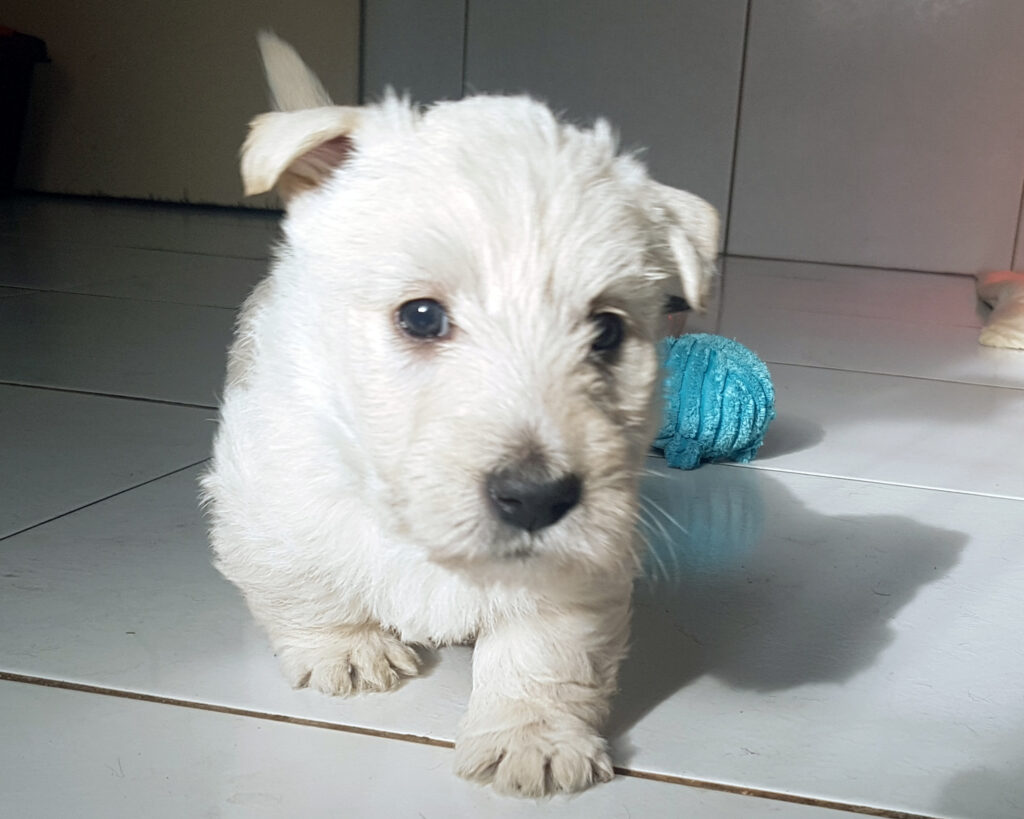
(296,150)
(297,146)
(686,239)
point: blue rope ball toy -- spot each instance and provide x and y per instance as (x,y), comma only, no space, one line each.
(719,401)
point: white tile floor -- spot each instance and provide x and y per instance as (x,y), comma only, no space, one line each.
(838,624)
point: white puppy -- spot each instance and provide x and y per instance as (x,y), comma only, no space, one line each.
(439,403)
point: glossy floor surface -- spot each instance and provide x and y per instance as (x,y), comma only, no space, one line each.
(834,629)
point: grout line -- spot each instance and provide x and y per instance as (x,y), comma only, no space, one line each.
(418,739)
(85,688)
(723,271)
(465,42)
(156,249)
(1016,233)
(142,299)
(361,46)
(852,265)
(760,793)
(872,481)
(140,398)
(43,241)
(827,368)
(736,130)
(146,482)
(129,202)
(22,291)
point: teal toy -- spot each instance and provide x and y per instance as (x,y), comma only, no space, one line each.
(719,401)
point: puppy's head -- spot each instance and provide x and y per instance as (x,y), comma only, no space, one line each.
(477,289)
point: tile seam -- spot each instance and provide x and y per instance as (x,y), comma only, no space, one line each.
(419,739)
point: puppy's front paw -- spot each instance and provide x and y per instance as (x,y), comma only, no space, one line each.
(349,661)
(534,759)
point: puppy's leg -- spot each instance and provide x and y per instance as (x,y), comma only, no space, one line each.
(344,659)
(541,691)
(334,658)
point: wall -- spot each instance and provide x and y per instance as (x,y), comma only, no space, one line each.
(863,132)
(150,99)
(414,46)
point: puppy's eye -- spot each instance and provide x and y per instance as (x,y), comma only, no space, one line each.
(610,331)
(423,318)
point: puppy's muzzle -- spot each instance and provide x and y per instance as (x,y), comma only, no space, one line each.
(527,498)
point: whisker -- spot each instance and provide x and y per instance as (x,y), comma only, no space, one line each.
(666,515)
(639,564)
(652,549)
(653,521)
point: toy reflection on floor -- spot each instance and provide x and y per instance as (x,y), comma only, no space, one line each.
(698,523)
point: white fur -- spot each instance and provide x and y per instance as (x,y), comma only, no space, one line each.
(346,493)
(1003,291)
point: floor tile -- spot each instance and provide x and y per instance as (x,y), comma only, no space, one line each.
(859,138)
(836,639)
(156,275)
(62,450)
(832,638)
(915,432)
(209,230)
(96,756)
(167,352)
(156,617)
(881,321)
(839,620)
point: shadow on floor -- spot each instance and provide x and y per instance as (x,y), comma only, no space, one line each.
(747,584)
(983,793)
(788,434)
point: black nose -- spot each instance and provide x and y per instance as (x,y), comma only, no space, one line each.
(530,501)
